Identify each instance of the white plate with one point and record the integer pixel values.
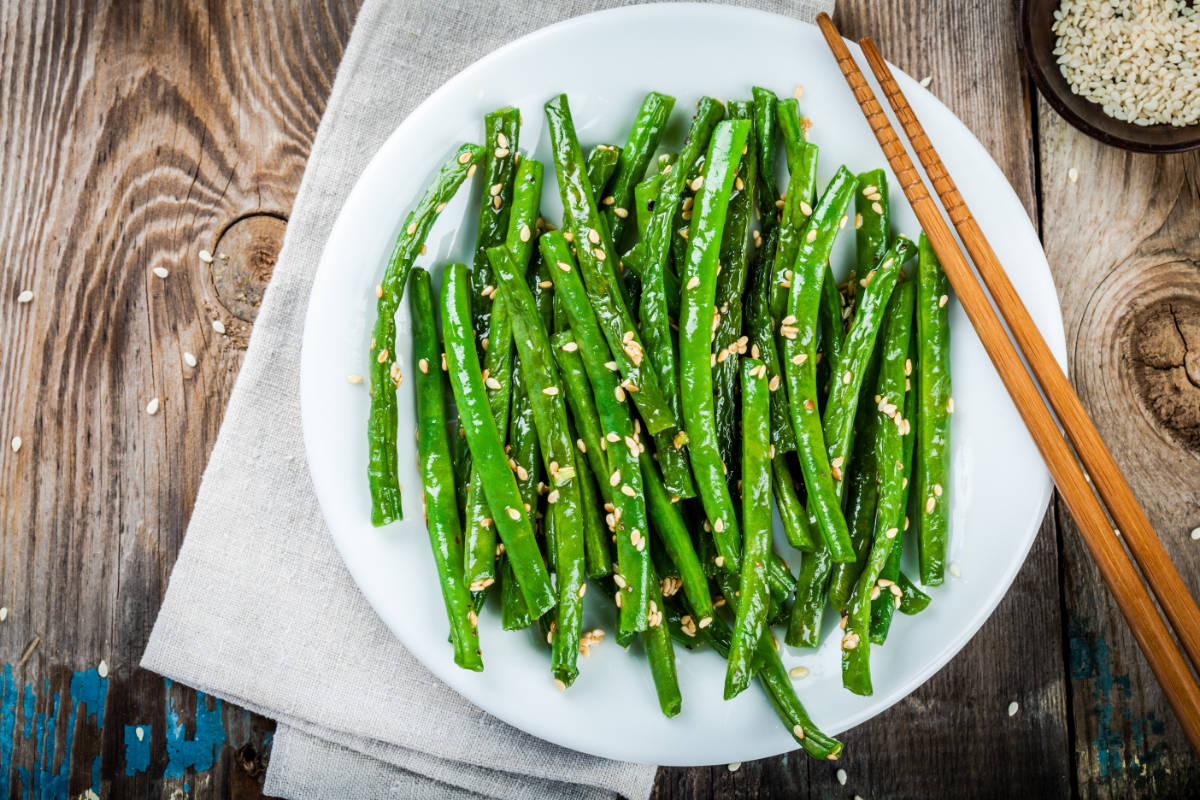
(606, 62)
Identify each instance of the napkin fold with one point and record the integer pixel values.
(260, 609)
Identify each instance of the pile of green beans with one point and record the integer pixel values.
(623, 397)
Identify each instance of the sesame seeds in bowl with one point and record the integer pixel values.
(1126, 72)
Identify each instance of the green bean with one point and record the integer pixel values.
(660, 652)
(912, 599)
(487, 449)
(382, 466)
(514, 614)
(753, 593)
(501, 129)
(774, 679)
(797, 332)
(762, 341)
(932, 460)
(586, 423)
(601, 163)
(628, 519)
(791, 510)
(698, 318)
(479, 552)
(644, 196)
(872, 221)
(829, 318)
(861, 495)
(802, 164)
(780, 579)
(668, 524)
(522, 212)
(437, 475)
(840, 411)
(543, 385)
(640, 145)
(889, 449)
(883, 608)
(765, 122)
(597, 262)
(731, 283)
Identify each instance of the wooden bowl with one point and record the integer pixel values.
(1037, 42)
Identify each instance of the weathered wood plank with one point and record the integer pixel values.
(132, 135)
(1122, 243)
(953, 734)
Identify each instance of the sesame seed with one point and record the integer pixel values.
(842, 222)
(152, 406)
(805, 209)
(513, 513)
(798, 92)
(739, 184)
(908, 366)
(562, 687)
(929, 504)
(877, 208)
(3, 613)
(621, 212)
(501, 139)
(565, 267)
(719, 525)
(496, 203)
(719, 561)
(798, 732)
(812, 236)
(798, 672)
(582, 589)
(552, 498)
(857, 221)
(470, 170)
(464, 157)
(218, 326)
(206, 256)
(735, 766)
(949, 405)
(1013, 707)
(773, 385)
(799, 358)
(869, 190)
(693, 282)
(102, 668)
(937, 489)
(550, 390)
(628, 491)
(411, 229)
(501, 152)
(928, 79)
(697, 183)
(619, 393)
(496, 189)
(1073, 175)
(190, 360)
(599, 253)
(847, 376)
(378, 290)
(942, 301)
(841, 777)
(160, 272)
(955, 570)
(16, 443)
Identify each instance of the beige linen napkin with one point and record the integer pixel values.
(260, 609)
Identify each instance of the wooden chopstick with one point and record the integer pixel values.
(1148, 627)
(1168, 587)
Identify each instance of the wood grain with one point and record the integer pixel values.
(133, 135)
(1122, 243)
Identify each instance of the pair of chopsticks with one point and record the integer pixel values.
(1149, 628)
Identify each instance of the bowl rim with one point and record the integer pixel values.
(1048, 91)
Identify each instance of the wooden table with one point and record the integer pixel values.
(135, 134)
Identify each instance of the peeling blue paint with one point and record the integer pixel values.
(137, 750)
(1091, 659)
(199, 752)
(8, 723)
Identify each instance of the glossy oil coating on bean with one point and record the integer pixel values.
(525, 195)
(501, 129)
(628, 519)
(547, 397)
(932, 461)
(763, 345)
(798, 333)
(696, 325)
(382, 467)
(643, 139)
(889, 458)
(753, 594)
(765, 126)
(668, 524)
(487, 448)
(598, 264)
(437, 475)
(660, 652)
(731, 284)
(601, 163)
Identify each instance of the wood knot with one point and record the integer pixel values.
(1164, 350)
(245, 258)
